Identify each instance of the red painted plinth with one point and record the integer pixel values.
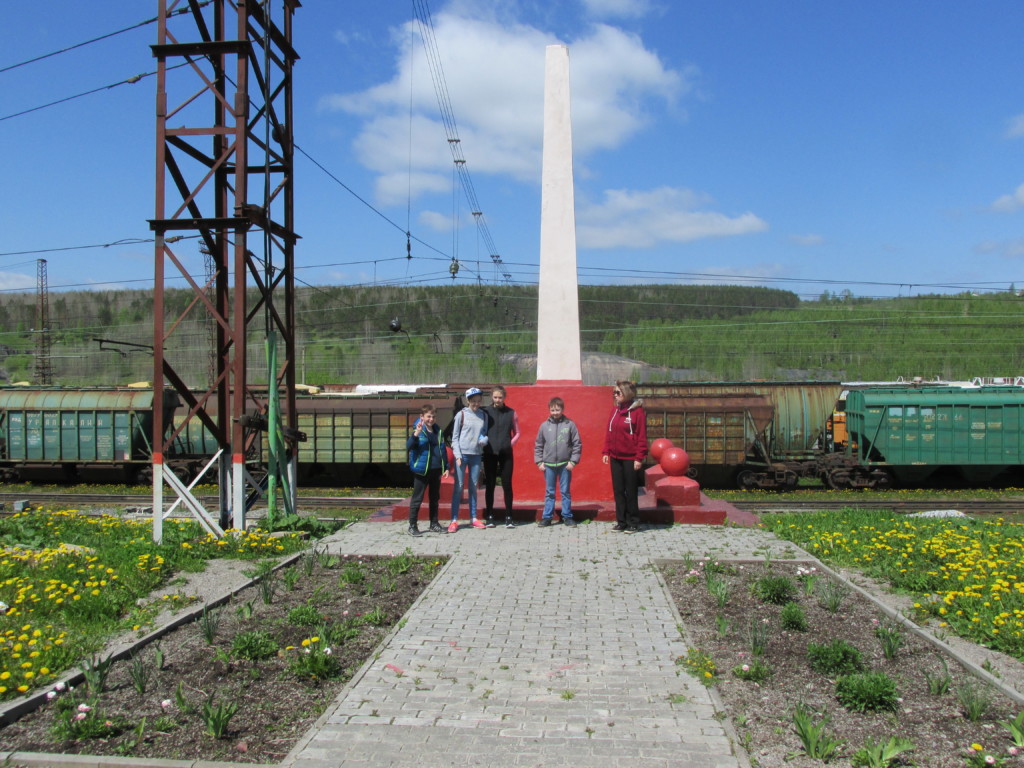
(678, 491)
(678, 501)
(652, 476)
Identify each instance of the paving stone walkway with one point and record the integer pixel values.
(534, 647)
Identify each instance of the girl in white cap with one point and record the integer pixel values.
(469, 436)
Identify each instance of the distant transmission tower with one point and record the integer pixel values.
(44, 371)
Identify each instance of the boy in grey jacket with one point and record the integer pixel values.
(556, 452)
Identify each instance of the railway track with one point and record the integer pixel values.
(978, 506)
(75, 500)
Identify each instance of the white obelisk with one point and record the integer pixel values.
(558, 309)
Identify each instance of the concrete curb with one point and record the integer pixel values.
(46, 760)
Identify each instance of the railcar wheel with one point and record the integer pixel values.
(838, 479)
(881, 480)
(746, 480)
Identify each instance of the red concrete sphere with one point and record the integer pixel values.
(659, 446)
(675, 462)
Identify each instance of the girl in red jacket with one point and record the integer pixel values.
(625, 448)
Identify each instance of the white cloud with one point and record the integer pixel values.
(435, 221)
(494, 73)
(1010, 203)
(638, 219)
(808, 240)
(625, 9)
(12, 281)
(1015, 129)
(1007, 249)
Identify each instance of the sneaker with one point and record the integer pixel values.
(571, 522)
(478, 523)
(453, 527)
(436, 528)
(544, 522)
(632, 529)
(489, 522)
(509, 523)
(619, 527)
(414, 531)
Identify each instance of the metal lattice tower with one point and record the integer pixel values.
(223, 172)
(44, 367)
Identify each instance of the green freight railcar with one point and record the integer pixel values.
(912, 436)
(61, 434)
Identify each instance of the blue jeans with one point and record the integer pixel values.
(564, 477)
(471, 467)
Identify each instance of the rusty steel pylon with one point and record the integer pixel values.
(223, 176)
(44, 364)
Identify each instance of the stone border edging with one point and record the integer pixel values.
(327, 713)
(49, 760)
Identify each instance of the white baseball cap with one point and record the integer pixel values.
(472, 391)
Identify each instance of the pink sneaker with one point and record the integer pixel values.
(453, 527)
(478, 523)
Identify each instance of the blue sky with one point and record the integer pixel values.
(876, 147)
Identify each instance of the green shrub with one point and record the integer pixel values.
(835, 658)
(754, 672)
(254, 645)
(867, 692)
(305, 616)
(792, 617)
(777, 590)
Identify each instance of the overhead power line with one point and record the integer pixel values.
(97, 39)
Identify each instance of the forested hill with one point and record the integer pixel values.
(471, 332)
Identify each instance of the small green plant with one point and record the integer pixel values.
(719, 589)
(777, 590)
(353, 573)
(722, 625)
(1016, 729)
(835, 658)
(867, 692)
(978, 757)
(378, 616)
(85, 721)
(184, 705)
(975, 699)
(832, 595)
(402, 563)
(309, 561)
(305, 616)
(315, 660)
(758, 633)
(245, 610)
(158, 656)
(338, 633)
(793, 618)
(140, 673)
(890, 635)
(268, 587)
(756, 671)
(939, 683)
(216, 717)
(807, 577)
(208, 623)
(568, 695)
(291, 577)
(254, 645)
(95, 673)
(699, 664)
(881, 754)
(817, 742)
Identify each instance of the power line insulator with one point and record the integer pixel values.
(453, 268)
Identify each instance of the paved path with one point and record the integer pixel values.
(534, 647)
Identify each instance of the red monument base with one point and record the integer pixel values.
(663, 500)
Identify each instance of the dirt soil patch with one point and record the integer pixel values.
(346, 602)
(762, 712)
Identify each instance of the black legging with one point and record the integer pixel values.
(498, 465)
(431, 483)
(625, 482)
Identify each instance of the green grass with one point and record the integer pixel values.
(963, 573)
(68, 582)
